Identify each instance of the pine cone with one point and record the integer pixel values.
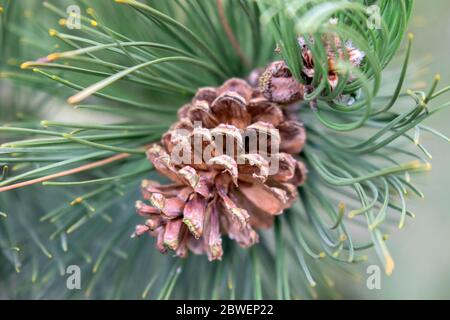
(335, 48)
(279, 85)
(230, 160)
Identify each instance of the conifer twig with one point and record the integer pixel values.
(86, 167)
(230, 35)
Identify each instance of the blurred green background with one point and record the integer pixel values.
(422, 249)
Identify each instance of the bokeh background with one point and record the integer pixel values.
(422, 249)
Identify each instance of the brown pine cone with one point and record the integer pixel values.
(231, 161)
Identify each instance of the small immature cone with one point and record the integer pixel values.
(279, 85)
(223, 181)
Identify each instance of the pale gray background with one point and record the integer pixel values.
(421, 250)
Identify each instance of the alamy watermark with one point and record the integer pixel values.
(73, 20)
(374, 20)
(373, 281)
(73, 281)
